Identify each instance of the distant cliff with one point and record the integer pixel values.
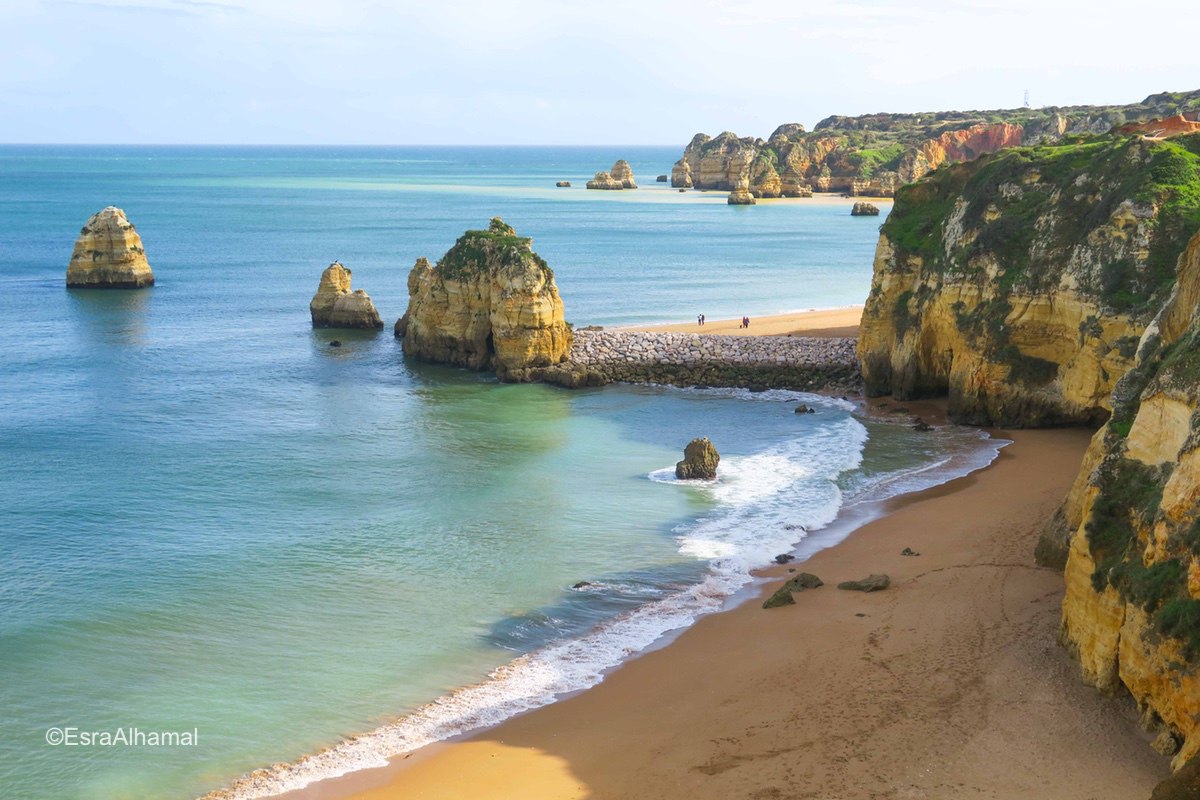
(1020, 283)
(873, 155)
(1061, 284)
(489, 304)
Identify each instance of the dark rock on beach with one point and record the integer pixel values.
(871, 583)
(783, 596)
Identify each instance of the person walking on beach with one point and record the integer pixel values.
(747, 320)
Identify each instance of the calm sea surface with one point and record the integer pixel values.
(214, 522)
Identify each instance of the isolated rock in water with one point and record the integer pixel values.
(921, 425)
(864, 210)
(661, 179)
(700, 461)
(490, 303)
(783, 595)
(563, 184)
(622, 172)
(741, 196)
(871, 583)
(108, 254)
(784, 558)
(604, 180)
(803, 409)
(681, 175)
(335, 306)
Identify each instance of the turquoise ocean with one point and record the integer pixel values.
(213, 522)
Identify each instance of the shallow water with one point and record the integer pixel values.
(216, 522)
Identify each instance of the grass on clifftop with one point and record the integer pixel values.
(1032, 207)
(478, 250)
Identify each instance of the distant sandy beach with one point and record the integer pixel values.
(824, 322)
(949, 684)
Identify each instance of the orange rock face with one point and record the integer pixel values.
(967, 144)
(1177, 125)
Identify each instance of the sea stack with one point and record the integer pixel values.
(489, 304)
(604, 180)
(108, 254)
(700, 461)
(335, 306)
(861, 209)
(622, 172)
(741, 196)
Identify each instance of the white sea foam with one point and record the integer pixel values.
(765, 504)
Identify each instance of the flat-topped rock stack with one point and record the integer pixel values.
(684, 359)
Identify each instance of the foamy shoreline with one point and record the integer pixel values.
(541, 678)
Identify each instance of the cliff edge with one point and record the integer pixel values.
(1019, 284)
(489, 304)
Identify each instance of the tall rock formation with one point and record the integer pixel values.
(1132, 608)
(622, 172)
(336, 306)
(489, 304)
(108, 254)
(1061, 284)
(1019, 284)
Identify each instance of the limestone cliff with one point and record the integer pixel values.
(490, 303)
(1132, 607)
(336, 306)
(874, 154)
(108, 254)
(1020, 283)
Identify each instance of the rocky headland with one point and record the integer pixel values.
(1056, 285)
(108, 254)
(490, 303)
(874, 154)
(336, 306)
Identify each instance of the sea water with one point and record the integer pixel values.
(213, 522)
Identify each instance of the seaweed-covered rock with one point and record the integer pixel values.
(490, 303)
(108, 254)
(871, 583)
(861, 209)
(783, 595)
(700, 461)
(336, 306)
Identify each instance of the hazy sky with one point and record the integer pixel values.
(557, 71)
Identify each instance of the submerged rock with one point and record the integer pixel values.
(864, 210)
(335, 306)
(803, 409)
(700, 461)
(490, 303)
(108, 254)
(871, 583)
(783, 595)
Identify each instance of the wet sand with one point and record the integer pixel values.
(949, 684)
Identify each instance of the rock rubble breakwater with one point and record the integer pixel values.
(682, 359)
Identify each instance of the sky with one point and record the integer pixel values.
(557, 71)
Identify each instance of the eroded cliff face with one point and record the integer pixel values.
(1019, 284)
(1132, 607)
(874, 154)
(490, 303)
(108, 254)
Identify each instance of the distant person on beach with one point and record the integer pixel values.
(699, 319)
(747, 322)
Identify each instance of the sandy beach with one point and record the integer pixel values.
(949, 684)
(823, 322)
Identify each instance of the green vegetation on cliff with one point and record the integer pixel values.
(1033, 206)
(475, 250)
